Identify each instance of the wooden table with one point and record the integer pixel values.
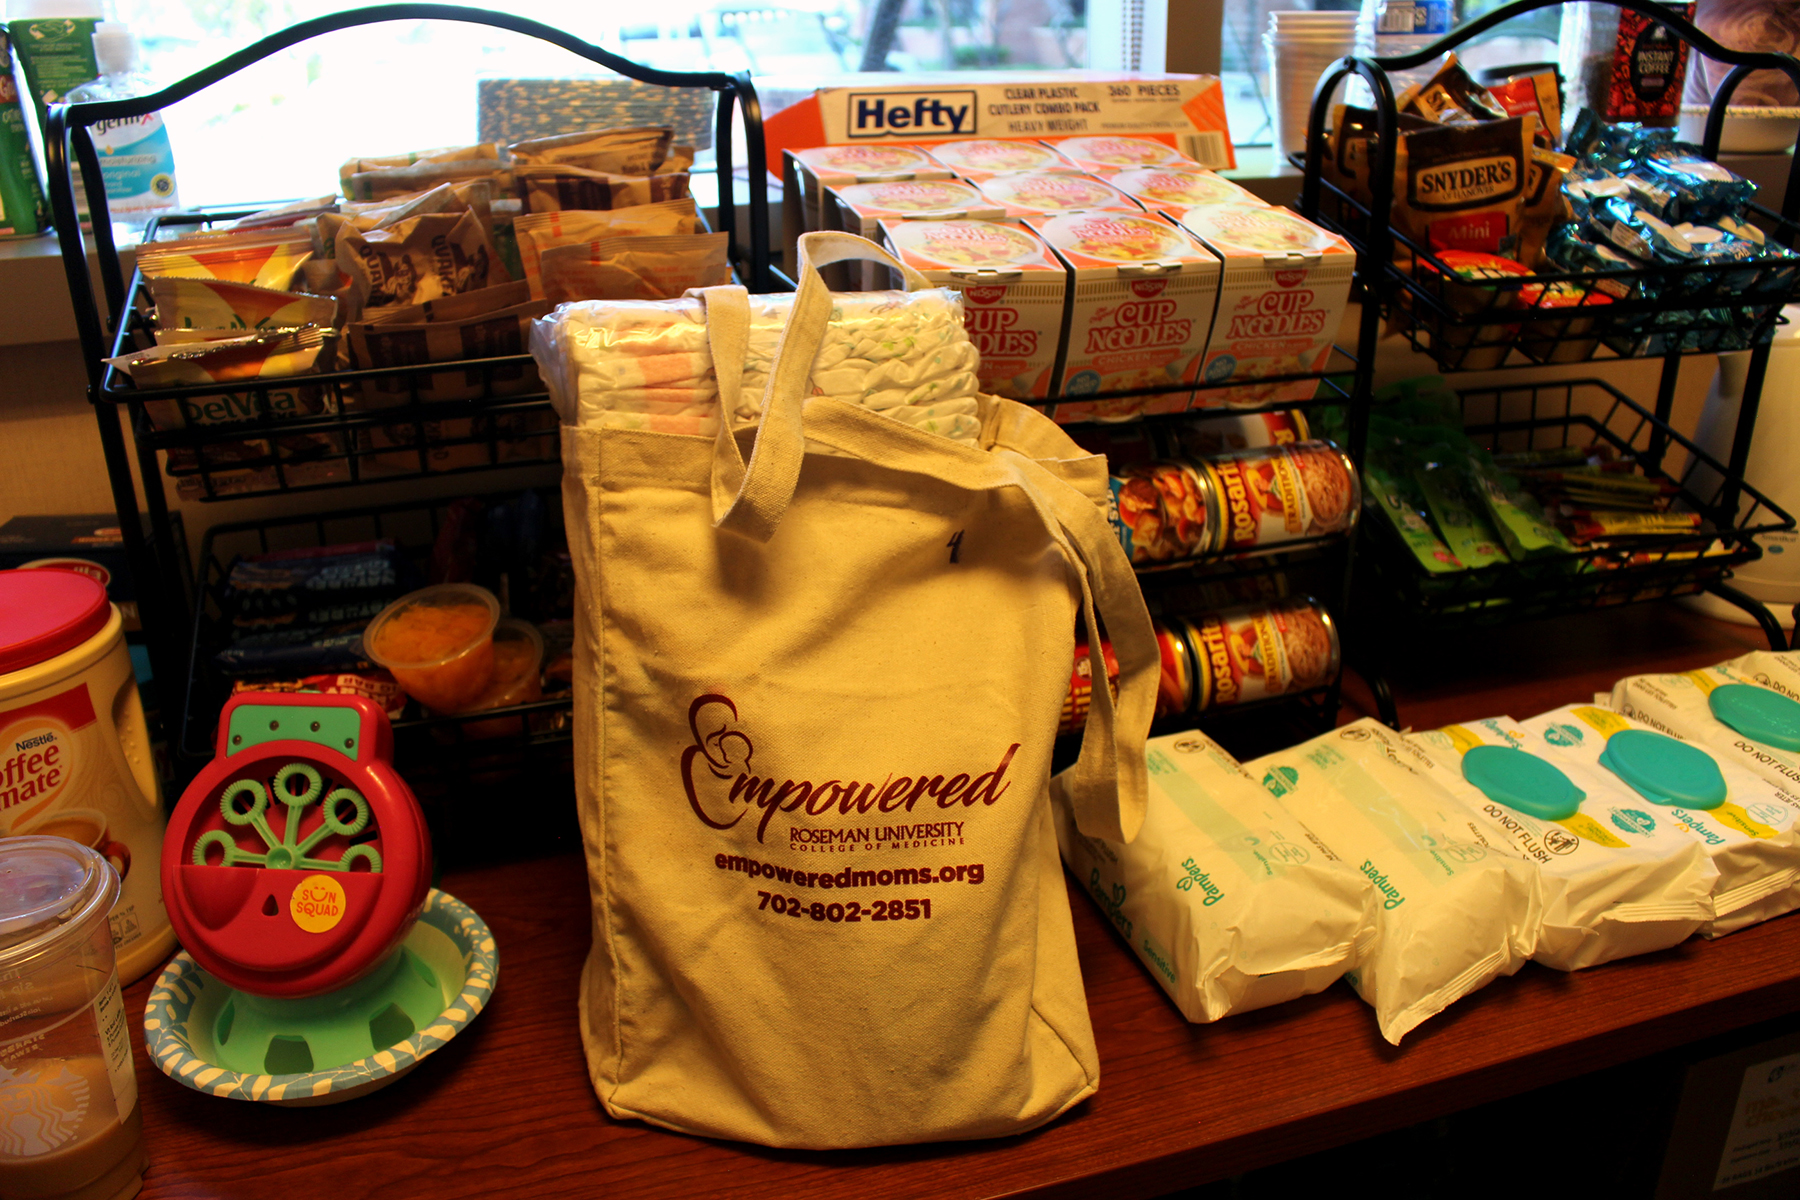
(507, 1110)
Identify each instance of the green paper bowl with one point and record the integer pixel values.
(184, 988)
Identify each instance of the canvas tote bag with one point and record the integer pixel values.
(815, 696)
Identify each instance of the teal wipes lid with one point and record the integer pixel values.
(1523, 781)
(1664, 770)
(1757, 713)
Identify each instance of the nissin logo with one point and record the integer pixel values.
(910, 114)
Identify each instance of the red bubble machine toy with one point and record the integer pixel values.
(294, 868)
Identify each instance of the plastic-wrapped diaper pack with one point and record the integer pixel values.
(1229, 901)
(1738, 710)
(1457, 907)
(1611, 889)
(1745, 823)
(648, 365)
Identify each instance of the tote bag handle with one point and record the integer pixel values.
(749, 498)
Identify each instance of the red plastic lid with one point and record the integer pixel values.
(47, 611)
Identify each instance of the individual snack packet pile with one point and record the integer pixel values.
(1609, 892)
(1458, 907)
(1745, 823)
(647, 364)
(302, 612)
(1230, 902)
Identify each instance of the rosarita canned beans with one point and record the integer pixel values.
(1165, 511)
(1253, 653)
(1283, 494)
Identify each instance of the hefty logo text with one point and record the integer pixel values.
(910, 113)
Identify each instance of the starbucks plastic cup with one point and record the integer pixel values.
(72, 1129)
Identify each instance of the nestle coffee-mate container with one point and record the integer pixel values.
(74, 749)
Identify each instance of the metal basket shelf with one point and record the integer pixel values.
(438, 755)
(1576, 413)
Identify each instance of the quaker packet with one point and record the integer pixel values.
(221, 308)
(266, 258)
(419, 259)
(287, 214)
(642, 150)
(469, 195)
(635, 268)
(538, 232)
(398, 174)
(1463, 187)
(553, 188)
(441, 339)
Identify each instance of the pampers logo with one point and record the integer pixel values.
(910, 114)
(724, 753)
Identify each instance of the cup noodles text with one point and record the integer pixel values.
(1171, 188)
(1112, 154)
(860, 207)
(1013, 294)
(1281, 298)
(977, 159)
(1044, 194)
(1141, 306)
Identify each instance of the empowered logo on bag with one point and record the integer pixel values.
(724, 753)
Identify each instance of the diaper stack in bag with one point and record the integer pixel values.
(1743, 822)
(1231, 903)
(1611, 889)
(1457, 906)
(1745, 711)
(646, 364)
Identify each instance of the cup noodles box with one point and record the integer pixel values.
(1043, 194)
(1174, 189)
(807, 174)
(1110, 154)
(1141, 300)
(1013, 291)
(861, 207)
(978, 159)
(1281, 298)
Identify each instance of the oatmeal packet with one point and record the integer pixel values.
(398, 174)
(443, 333)
(644, 150)
(418, 259)
(538, 232)
(635, 268)
(555, 188)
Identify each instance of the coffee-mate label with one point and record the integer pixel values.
(63, 773)
(1012, 287)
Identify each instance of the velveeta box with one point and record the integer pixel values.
(1175, 189)
(1285, 285)
(979, 159)
(1108, 154)
(1013, 290)
(1141, 300)
(1046, 194)
(807, 174)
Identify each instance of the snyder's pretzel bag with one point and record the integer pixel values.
(1463, 187)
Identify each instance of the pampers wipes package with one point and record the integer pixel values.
(1744, 711)
(1742, 821)
(1608, 893)
(1458, 908)
(1230, 902)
